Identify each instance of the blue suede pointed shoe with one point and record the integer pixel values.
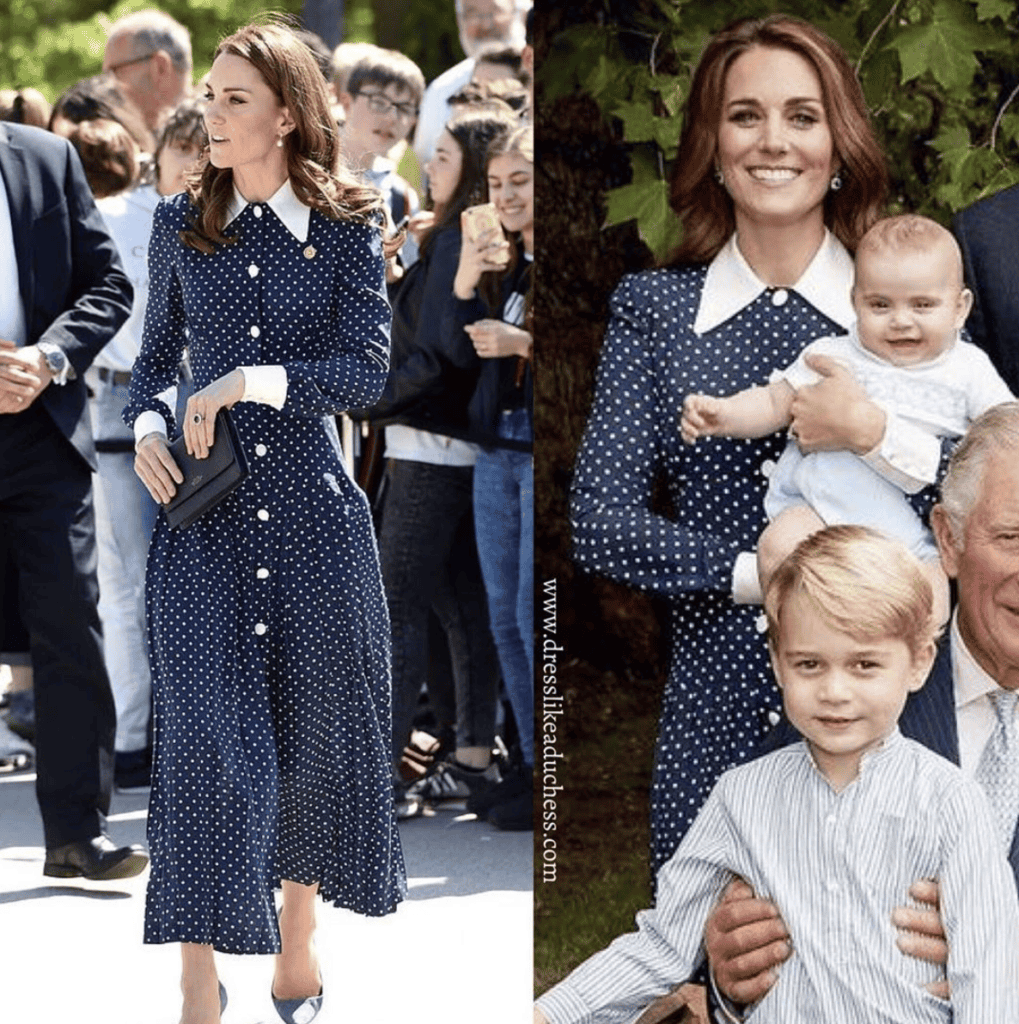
(222, 999)
(298, 1011)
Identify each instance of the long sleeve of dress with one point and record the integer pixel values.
(156, 369)
(356, 362)
(614, 531)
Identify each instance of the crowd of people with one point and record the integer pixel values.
(345, 640)
(833, 448)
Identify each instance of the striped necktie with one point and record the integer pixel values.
(998, 770)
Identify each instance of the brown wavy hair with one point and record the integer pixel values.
(518, 142)
(312, 148)
(474, 131)
(704, 206)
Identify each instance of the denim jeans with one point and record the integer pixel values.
(429, 561)
(504, 523)
(125, 516)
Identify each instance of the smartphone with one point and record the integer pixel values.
(478, 220)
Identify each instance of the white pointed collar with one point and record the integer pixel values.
(294, 214)
(731, 285)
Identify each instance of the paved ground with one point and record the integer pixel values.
(458, 950)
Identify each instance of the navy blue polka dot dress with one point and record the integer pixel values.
(268, 625)
(720, 689)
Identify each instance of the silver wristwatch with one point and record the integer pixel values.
(56, 360)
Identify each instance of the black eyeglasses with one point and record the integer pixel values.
(380, 104)
(127, 63)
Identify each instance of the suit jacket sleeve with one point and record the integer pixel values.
(100, 293)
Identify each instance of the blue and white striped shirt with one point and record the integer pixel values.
(836, 865)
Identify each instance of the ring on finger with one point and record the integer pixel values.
(197, 418)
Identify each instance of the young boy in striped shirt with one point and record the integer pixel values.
(833, 829)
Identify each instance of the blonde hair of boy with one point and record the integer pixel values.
(861, 582)
(909, 232)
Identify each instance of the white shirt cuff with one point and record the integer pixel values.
(907, 456)
(147, 423)
(746, 584)
(265, 384)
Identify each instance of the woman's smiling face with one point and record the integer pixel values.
(775, 148)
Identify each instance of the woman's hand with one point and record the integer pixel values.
(835, 414)
(420, 224)
(200, 416)
(494, 339)
(489, 251)
(156, 469)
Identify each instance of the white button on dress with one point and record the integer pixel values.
(257, 210)
(780, 297)
(260, 449)
(262, 573)
(254, 330)
(253, 270)
(260, 628)
(263, 514)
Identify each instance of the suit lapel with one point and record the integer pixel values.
(929, 715)
(19, 186)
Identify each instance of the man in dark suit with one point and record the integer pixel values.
(986, 233)
(63, 294)
(976, 525)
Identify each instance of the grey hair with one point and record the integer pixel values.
(996, 430)
(154, 30)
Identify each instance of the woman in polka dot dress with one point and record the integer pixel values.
(778, 174)
(268, 623)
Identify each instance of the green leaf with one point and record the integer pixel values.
(638, 121)
(647, 202)
(987, 9)
(946, 46)
(671, 89)
(571, 56)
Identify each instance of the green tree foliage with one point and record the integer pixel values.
(51, 44)
(940, 77)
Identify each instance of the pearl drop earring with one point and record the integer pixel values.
(279, 141)
(719, 176)
(836, 183)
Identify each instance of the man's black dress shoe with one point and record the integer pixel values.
(97, 859)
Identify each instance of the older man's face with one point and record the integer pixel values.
(483, 21)
(987, 571)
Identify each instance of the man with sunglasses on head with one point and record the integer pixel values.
(150, 55)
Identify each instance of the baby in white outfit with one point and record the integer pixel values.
(905, 352)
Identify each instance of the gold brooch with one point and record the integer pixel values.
(309, 253)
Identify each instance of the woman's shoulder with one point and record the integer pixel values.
(670, 292)
(175, 211)
(664, 282)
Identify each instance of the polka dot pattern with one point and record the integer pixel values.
(269, 631)
(720, 690)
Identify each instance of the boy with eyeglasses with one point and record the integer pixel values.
(381, 100)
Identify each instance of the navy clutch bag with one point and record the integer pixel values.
(206, 481)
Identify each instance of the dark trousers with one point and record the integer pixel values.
(47, 521)
(430, 562)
